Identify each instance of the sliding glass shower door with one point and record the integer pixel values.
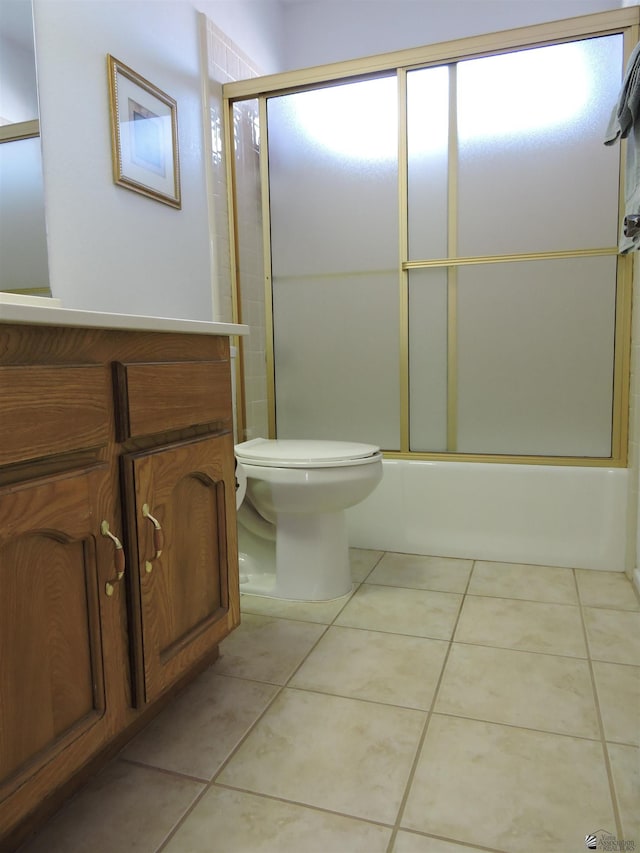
(444, 272)
(512, 203)
(333, 193)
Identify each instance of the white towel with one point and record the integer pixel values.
(625, 124)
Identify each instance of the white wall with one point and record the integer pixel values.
(111, 249)
(322, 31)
(256, 27)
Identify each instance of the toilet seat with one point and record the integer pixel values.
(302, 453)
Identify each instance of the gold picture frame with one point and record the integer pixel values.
(144, 135)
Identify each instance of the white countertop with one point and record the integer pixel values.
(40, 314)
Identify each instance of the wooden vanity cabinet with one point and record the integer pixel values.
(52, 655)
(180, 586)
(118, 544)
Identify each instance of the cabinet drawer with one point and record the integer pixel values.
(51, 410)
(161, 396)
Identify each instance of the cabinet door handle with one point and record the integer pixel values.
(118, 557)
(158, 535)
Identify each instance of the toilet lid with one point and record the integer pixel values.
(300, 453)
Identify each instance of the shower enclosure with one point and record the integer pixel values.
(443, 273)
(438, 242)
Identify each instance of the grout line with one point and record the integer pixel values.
(375, 565)
(379, 702)
(222, 766)
(413, 588)
(164, 771)
(519, 651)
(356, 587)
(281, 688)
(430, 713)
(603, 739)
(302, 804)
(518, 726)
(525, 600)
(466, 845)
(251, 728)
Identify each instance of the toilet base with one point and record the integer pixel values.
(259, 583)
(312, 556)
(263, 585)
(308, 562)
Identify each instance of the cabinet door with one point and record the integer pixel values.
(53, 713)
(182, 527)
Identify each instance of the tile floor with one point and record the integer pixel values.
(445, 706)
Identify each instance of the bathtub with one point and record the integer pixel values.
(537, 514)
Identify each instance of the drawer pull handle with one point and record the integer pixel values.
(118, 557)
(158, 535)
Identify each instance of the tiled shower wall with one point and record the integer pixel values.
(226, 62)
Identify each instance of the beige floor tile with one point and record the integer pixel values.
(625, 766)
(613, 635)
(512, 789)
(619, 696)
(362, 562)
(201, 727)
(339, 754)
(123, 808)
(263, 648)
(418, 612)
(389, 668)
(606, 589)
(525, 625)
(536, 691)
(409, 842)
(237, 822)
(322, 612)
(412, 570)
(519, 580)
(509, 763)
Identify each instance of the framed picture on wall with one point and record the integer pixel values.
(144, 135)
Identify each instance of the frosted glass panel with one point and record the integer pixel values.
(533, 340)
(532, 160)
(428, 359)
(336, 352)
(535, 356)
(334, 243)
(427, 163)
(333, 179)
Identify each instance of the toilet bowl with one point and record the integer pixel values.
(291, 524)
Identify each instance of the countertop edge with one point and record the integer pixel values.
(38, 315)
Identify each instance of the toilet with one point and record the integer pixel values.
(291, 523)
